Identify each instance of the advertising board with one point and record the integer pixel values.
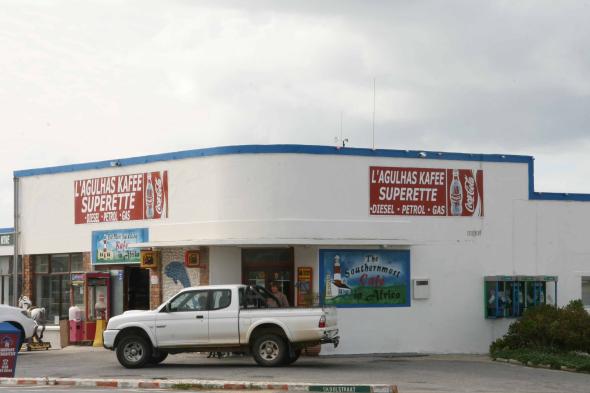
(140, 196)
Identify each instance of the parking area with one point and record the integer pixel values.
(433, 373)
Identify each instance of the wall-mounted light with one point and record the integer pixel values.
(422, 154)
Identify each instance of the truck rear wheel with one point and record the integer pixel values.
(270, 350)
(134, 352)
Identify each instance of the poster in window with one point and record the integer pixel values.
(365, 278)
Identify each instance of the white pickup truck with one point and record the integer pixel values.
(219, 318)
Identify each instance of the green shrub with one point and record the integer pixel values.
(550, 328)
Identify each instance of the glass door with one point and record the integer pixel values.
(262, 266)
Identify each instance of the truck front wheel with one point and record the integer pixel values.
(270, 350)
(158, 357)
(134, 352)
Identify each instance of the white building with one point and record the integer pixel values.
(259, 213)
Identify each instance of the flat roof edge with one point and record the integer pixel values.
(273, 149)
(311, 149)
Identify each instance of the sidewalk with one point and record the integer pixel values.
(193, 384)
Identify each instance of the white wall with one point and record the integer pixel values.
(298, 200)
(290, 198)
(6, 250)
(225, 265)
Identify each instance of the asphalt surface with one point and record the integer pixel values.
(416, 374)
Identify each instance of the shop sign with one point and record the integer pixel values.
(149, 259)
(7, 239)
(365, 278)
(192, 258)
(304, 286)
(340, 388)
(425, 191)
(140, 196)
(112, 247)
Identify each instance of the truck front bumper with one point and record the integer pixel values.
(108, 338)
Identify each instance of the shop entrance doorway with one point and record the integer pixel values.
(137, 288)
(261, 266)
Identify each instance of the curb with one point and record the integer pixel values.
(545, 366)
(198, 385)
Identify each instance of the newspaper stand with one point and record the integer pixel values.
(10, 337)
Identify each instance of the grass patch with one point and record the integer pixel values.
(555, 359)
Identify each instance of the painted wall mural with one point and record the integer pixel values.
(365, 278)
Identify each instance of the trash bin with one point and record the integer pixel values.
(9, 346)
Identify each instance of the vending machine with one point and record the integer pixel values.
(90, 296)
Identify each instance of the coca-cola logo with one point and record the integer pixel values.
(158, 183)
(470, 190)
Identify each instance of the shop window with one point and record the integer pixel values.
(77, 264)
(7, 279)
(511, 296)
(52, 283)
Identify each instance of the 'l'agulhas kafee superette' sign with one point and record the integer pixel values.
(141, 196)
(425, 191)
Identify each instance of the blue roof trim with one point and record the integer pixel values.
(559, 196)
(310, 149)
(552, 196)
(6, 230)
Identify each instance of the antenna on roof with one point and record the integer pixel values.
(374, 82)
(342, 140)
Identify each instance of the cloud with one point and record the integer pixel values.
(99, 80)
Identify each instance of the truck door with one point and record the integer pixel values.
(184, 321)
(223, 317)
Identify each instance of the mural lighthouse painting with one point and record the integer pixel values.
(334, 285)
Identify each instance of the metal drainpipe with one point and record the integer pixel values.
(16, 241)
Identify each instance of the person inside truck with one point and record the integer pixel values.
(280, 297)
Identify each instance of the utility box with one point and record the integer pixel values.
(421, 288)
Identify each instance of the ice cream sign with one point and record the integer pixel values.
(139, 196)
(425, 191)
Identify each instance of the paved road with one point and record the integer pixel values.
(437, 373)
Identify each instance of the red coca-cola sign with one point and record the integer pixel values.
(425, 191)
(140, 196)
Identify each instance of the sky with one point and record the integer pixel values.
(99, 80)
